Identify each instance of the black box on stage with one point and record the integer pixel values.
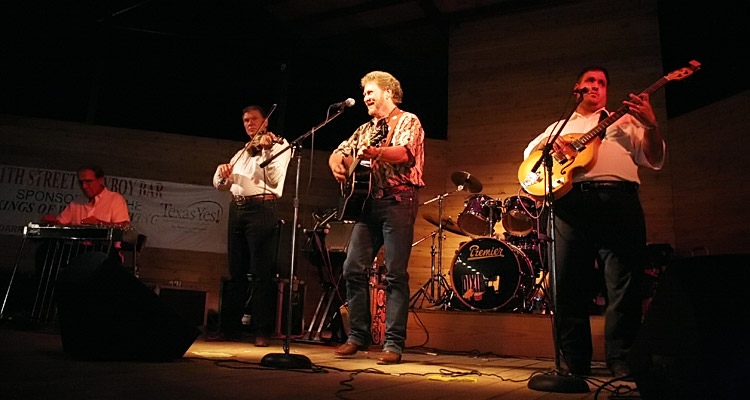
(339, 233)
(106, 313)
(298, 307)
(190, 304)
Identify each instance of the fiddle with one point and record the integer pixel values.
(256, 143)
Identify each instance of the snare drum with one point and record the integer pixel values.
(480, 215)
(488, 274)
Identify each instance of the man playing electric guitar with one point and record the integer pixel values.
(600, 219)
(387, 216)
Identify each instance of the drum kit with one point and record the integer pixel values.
(489, 272)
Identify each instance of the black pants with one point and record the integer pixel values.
(252, 246)
(604, 226)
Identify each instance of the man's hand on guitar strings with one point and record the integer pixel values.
(640, 108)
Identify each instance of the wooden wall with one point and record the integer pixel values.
(509, 77)
(62, 145)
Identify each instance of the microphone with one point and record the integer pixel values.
(346, 103)
(583, 90)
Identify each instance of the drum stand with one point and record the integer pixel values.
(436, 279)
(439, 292)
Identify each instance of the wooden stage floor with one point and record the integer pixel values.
(34, 366)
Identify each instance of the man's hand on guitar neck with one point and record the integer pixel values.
(560, 144)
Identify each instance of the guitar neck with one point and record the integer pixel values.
(606, 122)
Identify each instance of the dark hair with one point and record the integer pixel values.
(593, 68)
(98, 171)
(256, 108)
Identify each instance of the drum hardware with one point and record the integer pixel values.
(447, 223)
(439, 292)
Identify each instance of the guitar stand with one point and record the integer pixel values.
(314, 334)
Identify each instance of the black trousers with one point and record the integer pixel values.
(603, 226)
(252, 247)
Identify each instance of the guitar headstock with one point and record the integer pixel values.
(683, 73)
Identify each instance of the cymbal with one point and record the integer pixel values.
(468, 181)
(448, 224)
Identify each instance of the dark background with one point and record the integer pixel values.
(190, 67)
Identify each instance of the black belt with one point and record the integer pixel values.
(241, 200)
(379, 193)
(606, 185)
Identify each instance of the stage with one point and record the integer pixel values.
(35, 367)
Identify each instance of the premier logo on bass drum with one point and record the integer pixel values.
(475, 253)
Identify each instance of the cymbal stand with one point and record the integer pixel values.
(437, 282)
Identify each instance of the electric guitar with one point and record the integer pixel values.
(581, 151)
(358, 184)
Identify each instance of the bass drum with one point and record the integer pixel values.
(488, 274)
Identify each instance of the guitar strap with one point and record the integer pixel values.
(392, 123)
(602, 117)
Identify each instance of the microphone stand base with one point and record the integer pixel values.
(557, 383)
(286, 361)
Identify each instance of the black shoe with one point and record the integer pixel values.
(621, 371)
(578, 369)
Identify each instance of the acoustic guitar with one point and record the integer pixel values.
(357, 187)
(581, 149)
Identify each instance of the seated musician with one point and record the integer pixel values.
(100, 207)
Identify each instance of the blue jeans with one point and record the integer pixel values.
(389, 222)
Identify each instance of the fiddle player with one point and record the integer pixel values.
(252, 220)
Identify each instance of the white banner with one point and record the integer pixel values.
(172, 215)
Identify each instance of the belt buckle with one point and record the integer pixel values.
(238, 200)
(585, 186)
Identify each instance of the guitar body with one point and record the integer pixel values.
(564, 164)
(354, 193)
(581, 150)
(356, 189)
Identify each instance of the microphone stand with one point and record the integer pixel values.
(555, 382)
(286, 360)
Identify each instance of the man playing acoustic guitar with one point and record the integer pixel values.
(386, 217)
(600, 219)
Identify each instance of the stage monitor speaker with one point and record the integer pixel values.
(339, 233)
(106, 313)
(693, 342)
